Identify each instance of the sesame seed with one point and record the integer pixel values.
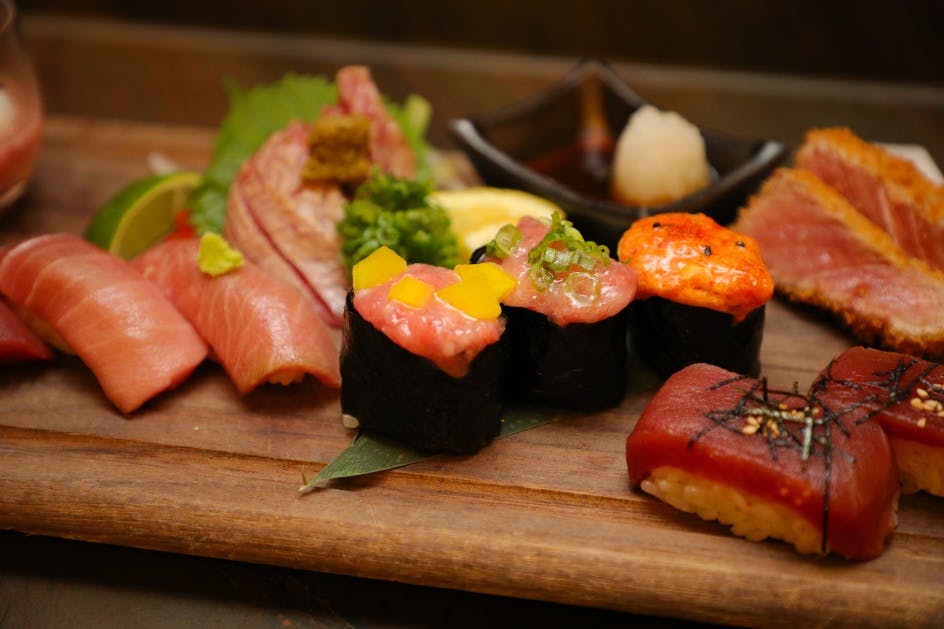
(921, 393)
(916, 403)
(922, 422)
(750, 429)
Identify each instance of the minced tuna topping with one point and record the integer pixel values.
(574, 295)
(448, 337)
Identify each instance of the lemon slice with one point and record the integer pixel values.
(477, 213)
(141, 214)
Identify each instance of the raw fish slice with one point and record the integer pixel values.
(905, 395)
(823, 252)
(357, 94)
(17, 341)
(260, 328)
(300, 221)
(718, 444)
(119, 324)
(287, 228)
(890, 191)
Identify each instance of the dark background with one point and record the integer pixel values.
(897, 41)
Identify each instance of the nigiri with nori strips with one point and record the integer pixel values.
(422, 357)
(905, 395)
(803, 469)
(566, 316)
(701, 296)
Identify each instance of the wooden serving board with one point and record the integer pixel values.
(545, 514)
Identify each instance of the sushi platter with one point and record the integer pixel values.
(545, 514)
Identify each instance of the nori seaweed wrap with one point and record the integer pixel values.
(399, 394)
(419, 370)
(702, 293)
(566, 318)
(671, 336)
(580, 365)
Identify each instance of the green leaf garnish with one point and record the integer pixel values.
(368, 453)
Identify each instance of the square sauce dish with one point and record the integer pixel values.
(560, 143)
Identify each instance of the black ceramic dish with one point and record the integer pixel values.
(592, 102)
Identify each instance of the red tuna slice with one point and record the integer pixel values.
(289, 228)
(821, 251)
(357, 94)
(118, 323)
(720, 445)
(17, 342)
(905, 395)
(260, 328)
(888, 190)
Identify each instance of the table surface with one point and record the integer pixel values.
(95, 146)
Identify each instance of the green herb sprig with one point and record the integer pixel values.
(397, 213)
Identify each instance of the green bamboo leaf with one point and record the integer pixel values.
(368, 454)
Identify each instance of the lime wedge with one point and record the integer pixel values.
(141, 214)
(477, 213)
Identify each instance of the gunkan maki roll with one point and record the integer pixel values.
(701, 296)
(566, 316)
(422, 354)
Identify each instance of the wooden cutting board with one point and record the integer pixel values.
(545, 514)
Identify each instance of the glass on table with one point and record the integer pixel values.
(21, 117)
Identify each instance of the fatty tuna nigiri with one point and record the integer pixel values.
(118, 323)
(260, 328)
(17, 342)
(770, 464)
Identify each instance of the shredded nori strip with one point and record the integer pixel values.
(789, 420)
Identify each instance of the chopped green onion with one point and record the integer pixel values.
(504, 242)
(541, 277)
(562, 250)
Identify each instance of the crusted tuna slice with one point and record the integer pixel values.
(889, 190)
(821, 251)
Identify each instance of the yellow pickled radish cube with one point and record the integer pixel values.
(411, 291)
(489, 276)
(472, 299)
(381, 266)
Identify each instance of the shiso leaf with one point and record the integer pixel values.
(368, 453)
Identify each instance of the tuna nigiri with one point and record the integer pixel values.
(905, 395)
(17, 342)
(118, 323)
(260, 328)
(770, 464)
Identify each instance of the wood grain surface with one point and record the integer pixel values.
(546, 514)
